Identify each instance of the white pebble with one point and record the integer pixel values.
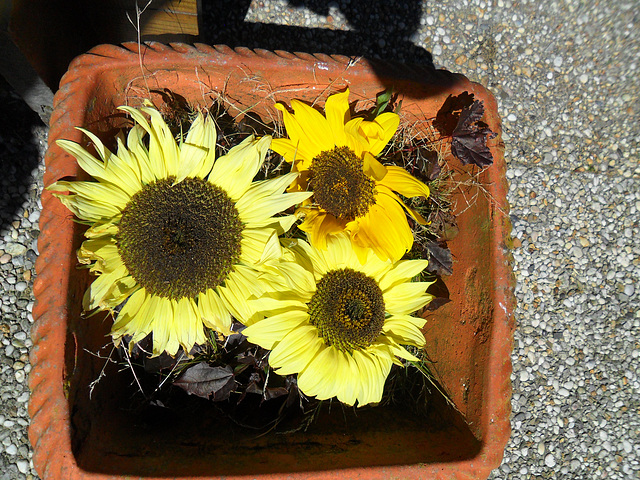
(550, 461)
(11, 449)
(23, 466)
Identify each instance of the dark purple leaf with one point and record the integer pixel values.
(469, 142)
(164, 361)
(276, 392)
(253, 387)
(469, 116)
(235, 340)
(449, 114)
(206, 381)
(472, 149)
(440, 261)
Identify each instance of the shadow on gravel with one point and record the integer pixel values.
(380, 29)
(19, 153)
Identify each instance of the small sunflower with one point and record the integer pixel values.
(174, 232)
(341, 323)
(352, 190)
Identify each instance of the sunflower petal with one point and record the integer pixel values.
(197, 152)
(320, 225)
(101, 287)
(156, 165)
(318, 378)
(385, 229)
(268, 332)
(121, 173)
(188, 329)
(234, 171)
(161, 142)
(354, 138)
(297, 135)
(108, 195)
(263, 189)
(414, 214)
(337, 112)
(164, 329)
(296, 350)
(406, 298)
(372, 167)
(151, 169)
(349, 372)
(402, 271)
(401, 181)
(388, 123)
(132, 317)
(286, 148)
(315, 126)
(260, 214)
(213, 312)
(405, 329)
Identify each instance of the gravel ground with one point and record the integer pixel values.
(566, 77)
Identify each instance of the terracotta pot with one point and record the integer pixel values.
(469, 339)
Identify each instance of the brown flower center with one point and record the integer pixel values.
(180, 240)
(340, 185)
(347, 309)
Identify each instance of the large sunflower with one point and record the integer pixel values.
(341, 323)
(174, 232)
(353, 191)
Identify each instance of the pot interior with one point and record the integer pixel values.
(113, 435)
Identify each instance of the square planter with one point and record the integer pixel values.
(79, 432)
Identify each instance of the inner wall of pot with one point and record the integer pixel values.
(109, 436)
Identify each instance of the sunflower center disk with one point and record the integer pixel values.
(179, 240)
(340, 185)
(347, 309)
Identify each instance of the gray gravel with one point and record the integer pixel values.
(566, 78)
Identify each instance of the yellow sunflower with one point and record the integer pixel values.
(174, 232)
(353, 191)
(341, 323)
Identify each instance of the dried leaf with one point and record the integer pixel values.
(443, 225)
(427, 163)
(469, 142)
(206, 381)
(440, 261)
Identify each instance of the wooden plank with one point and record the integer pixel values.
(160, 22)
(174, 16)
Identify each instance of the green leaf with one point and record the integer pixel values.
(382, 100)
